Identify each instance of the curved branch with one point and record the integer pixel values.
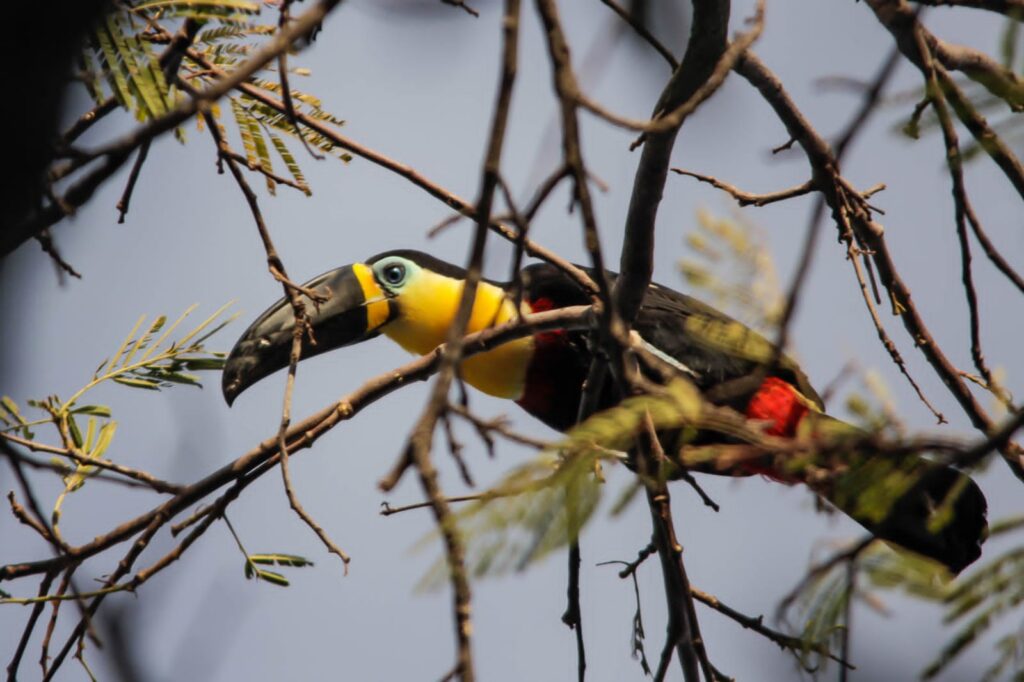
(304, 433)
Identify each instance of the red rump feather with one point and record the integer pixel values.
(779, 404)
(540, 305)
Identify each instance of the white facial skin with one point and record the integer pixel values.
(394, 273)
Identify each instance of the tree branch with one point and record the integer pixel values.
(115, 153)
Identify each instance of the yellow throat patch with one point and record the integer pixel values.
(427, 306)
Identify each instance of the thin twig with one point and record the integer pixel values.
(447, 197)
(1012, 8)
(286, 92)
(133, 177)
(821, 569)
(498, 425)
(631, 566)
(387, 510)
(642, 31)
(669, 119)
(30, 626)
(461, 4)
(872, 97)
(638, 620)
(683, 629)
(572, 616)
(756, 624)
(746, 198)
(850, 214)
(301, 329)
(264, 171)
(45, 240)
(883, 335)
(417, 451)
(963, 212)
(143, 477)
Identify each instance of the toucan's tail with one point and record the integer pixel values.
(921, 505)
(941, 515)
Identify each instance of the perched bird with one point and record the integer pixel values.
(412, 298)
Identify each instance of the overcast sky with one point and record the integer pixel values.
(418, 86)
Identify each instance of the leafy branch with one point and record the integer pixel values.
(146, 359)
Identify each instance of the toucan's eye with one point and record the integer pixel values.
(394, 274)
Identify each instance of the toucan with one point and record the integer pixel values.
(412, 298)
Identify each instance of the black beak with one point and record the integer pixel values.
(355, 310)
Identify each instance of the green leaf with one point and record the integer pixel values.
(159, 374)
(12, 408)
(253, 561)
(143, 90)
(263, 154)
(1006, 525)
(256, 151)
(733, 269)
(90, 434)
(822, 604)
(76, 435)
(168, 331)
(277, 559)
(275, 119)
(242, 119)
(197, 344)
(201, 364)
(115, 359)
(144, 340)
(616, 428)
(289, 162)
(63, 466)
(138, 383)
(11, 416)
(95, 410)
(104, 440)
(215, 35)
(271, 577)
(326, 116)
(536, 508)
(236, 5)
(116, 75)
(303, 97)
(157, 74)
(147, 77)
(1011, 650)
(912, 128)
(913, 574)
(93, 77)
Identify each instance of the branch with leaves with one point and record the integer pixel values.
(212, 68)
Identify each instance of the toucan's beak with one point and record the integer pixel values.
(355, 310)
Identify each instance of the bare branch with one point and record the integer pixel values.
(642, 31)
(1012, 8)
(854, 220)
(746, 198)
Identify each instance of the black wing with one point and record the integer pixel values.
(713, 346)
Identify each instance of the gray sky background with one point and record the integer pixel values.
(419, 87)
